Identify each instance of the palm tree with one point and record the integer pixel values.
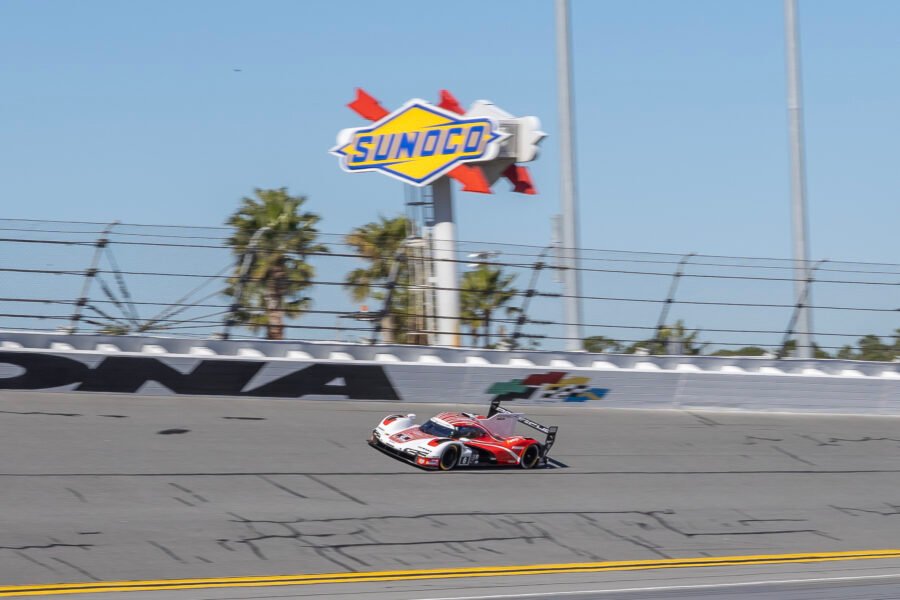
(599, 343)
(280, 238)
(669, 336)
(378, 243)
(484, 291)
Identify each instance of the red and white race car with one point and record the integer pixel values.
(458, 439)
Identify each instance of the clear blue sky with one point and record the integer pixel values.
(134, 111)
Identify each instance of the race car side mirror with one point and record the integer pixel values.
(411, 416)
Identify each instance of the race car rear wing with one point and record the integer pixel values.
(550, 431)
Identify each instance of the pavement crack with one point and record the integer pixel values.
(705, 420)
(255, 549)
(38, 412)
(836, 441)
(655, 515)
(76, 493)
(437, 522)
(36, 561)
(750, 440)
(188, 491)
(817, 441)
(855, 512)
(87, 574)
(745, 521)
(336, 490)
(637, 541)
(546, 535)
(48, 546)
(343, 554)
(503, 517)
(828, 537)
(281, 487)
(794, 456)
(322, 553)
(167, 551)
(432, 542)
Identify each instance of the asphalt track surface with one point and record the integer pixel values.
(106, 488)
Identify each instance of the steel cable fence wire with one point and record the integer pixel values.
(465, 251)
(432, 287)
(113, 298)
(172, 311)
(401, 314)
(475, 242)
(535, 246)
(516, 265)
(522, 266)
(103, 314)
(549, 294)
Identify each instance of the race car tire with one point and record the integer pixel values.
(449, 458)
(530, 457)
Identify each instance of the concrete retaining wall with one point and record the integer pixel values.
(151, 365)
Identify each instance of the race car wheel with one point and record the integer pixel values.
(449, 458)
(530, 457)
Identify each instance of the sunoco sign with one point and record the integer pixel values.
(418, 143)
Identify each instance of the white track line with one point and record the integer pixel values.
(669, 587)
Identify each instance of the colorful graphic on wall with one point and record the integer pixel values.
(548, 387)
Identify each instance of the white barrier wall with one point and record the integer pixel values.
(154, 366)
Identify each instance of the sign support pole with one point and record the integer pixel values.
(445, 271)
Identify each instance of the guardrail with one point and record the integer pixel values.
(321, 370)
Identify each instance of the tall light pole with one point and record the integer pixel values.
(568, 190)
(798, 182)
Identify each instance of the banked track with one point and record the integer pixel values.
(114, 488)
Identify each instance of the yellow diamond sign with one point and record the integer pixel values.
(418, 143)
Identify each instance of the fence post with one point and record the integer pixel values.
(89, 276)
(801, 305)
(670, 298)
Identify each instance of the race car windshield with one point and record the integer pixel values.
(435, 429)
